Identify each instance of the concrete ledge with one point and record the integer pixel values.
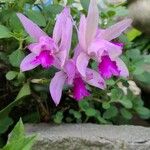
(89, 137)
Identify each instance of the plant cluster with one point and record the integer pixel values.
(75, 57)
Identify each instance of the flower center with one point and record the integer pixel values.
(79, 89)
(108, 68)
(45, 59)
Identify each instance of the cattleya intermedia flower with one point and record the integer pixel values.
(94, 43)
(69, 75)
(47, 51)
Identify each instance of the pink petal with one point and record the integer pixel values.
(122, 67)
(66, 36)
(96, 80)
(77, 52)
(112, 49)
(35, 48)
(92, 21)
(115, 30)
(61, 58)
(98, 46)
(29, 62)
(31, 28)
(82, 32)
(56, 86)
(70, 70)
(61, 18)
(82, 63)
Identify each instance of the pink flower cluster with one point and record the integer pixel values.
(94, 44)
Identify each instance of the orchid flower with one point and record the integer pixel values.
(47, 51)
(69, 75)
(96, 44)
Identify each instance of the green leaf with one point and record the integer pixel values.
(11, 75)
(90, 112)
(139, 69)
(111, 13)
(25, 90)
(19, 140)
(126, 102)
(54, 9)
(116, 94)
(85, 4)
(76, 114)
(101, 120)
(133, 33)
(84, 105)
(18, 132)
(16, 57)
(58, 117)
(4, 32)
(21, 77)
(110, 113)
(5, 123)
(147, 59)
(143, 112)
(36, 17)
(106, 105)
(110, 82)
(14, 22)
(126, 114)
(144, 77)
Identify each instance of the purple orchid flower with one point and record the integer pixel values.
(47, 51)
(69, 75)
(96, 44)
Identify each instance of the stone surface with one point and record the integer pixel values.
(89, 137)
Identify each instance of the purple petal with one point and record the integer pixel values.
(108, 68)
(79, 89)
(82, 63)
(82, 32)
(92, 21)
(122, 68)
(96, 80)
(31, 28)
(29, 62)
(56, 86)
(45, 59)
(115, 30)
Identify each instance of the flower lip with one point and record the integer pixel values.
(45, 58)
(79, 89)
(108, 68)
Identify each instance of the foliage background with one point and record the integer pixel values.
(26, 94)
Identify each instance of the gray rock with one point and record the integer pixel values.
(89, 137)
